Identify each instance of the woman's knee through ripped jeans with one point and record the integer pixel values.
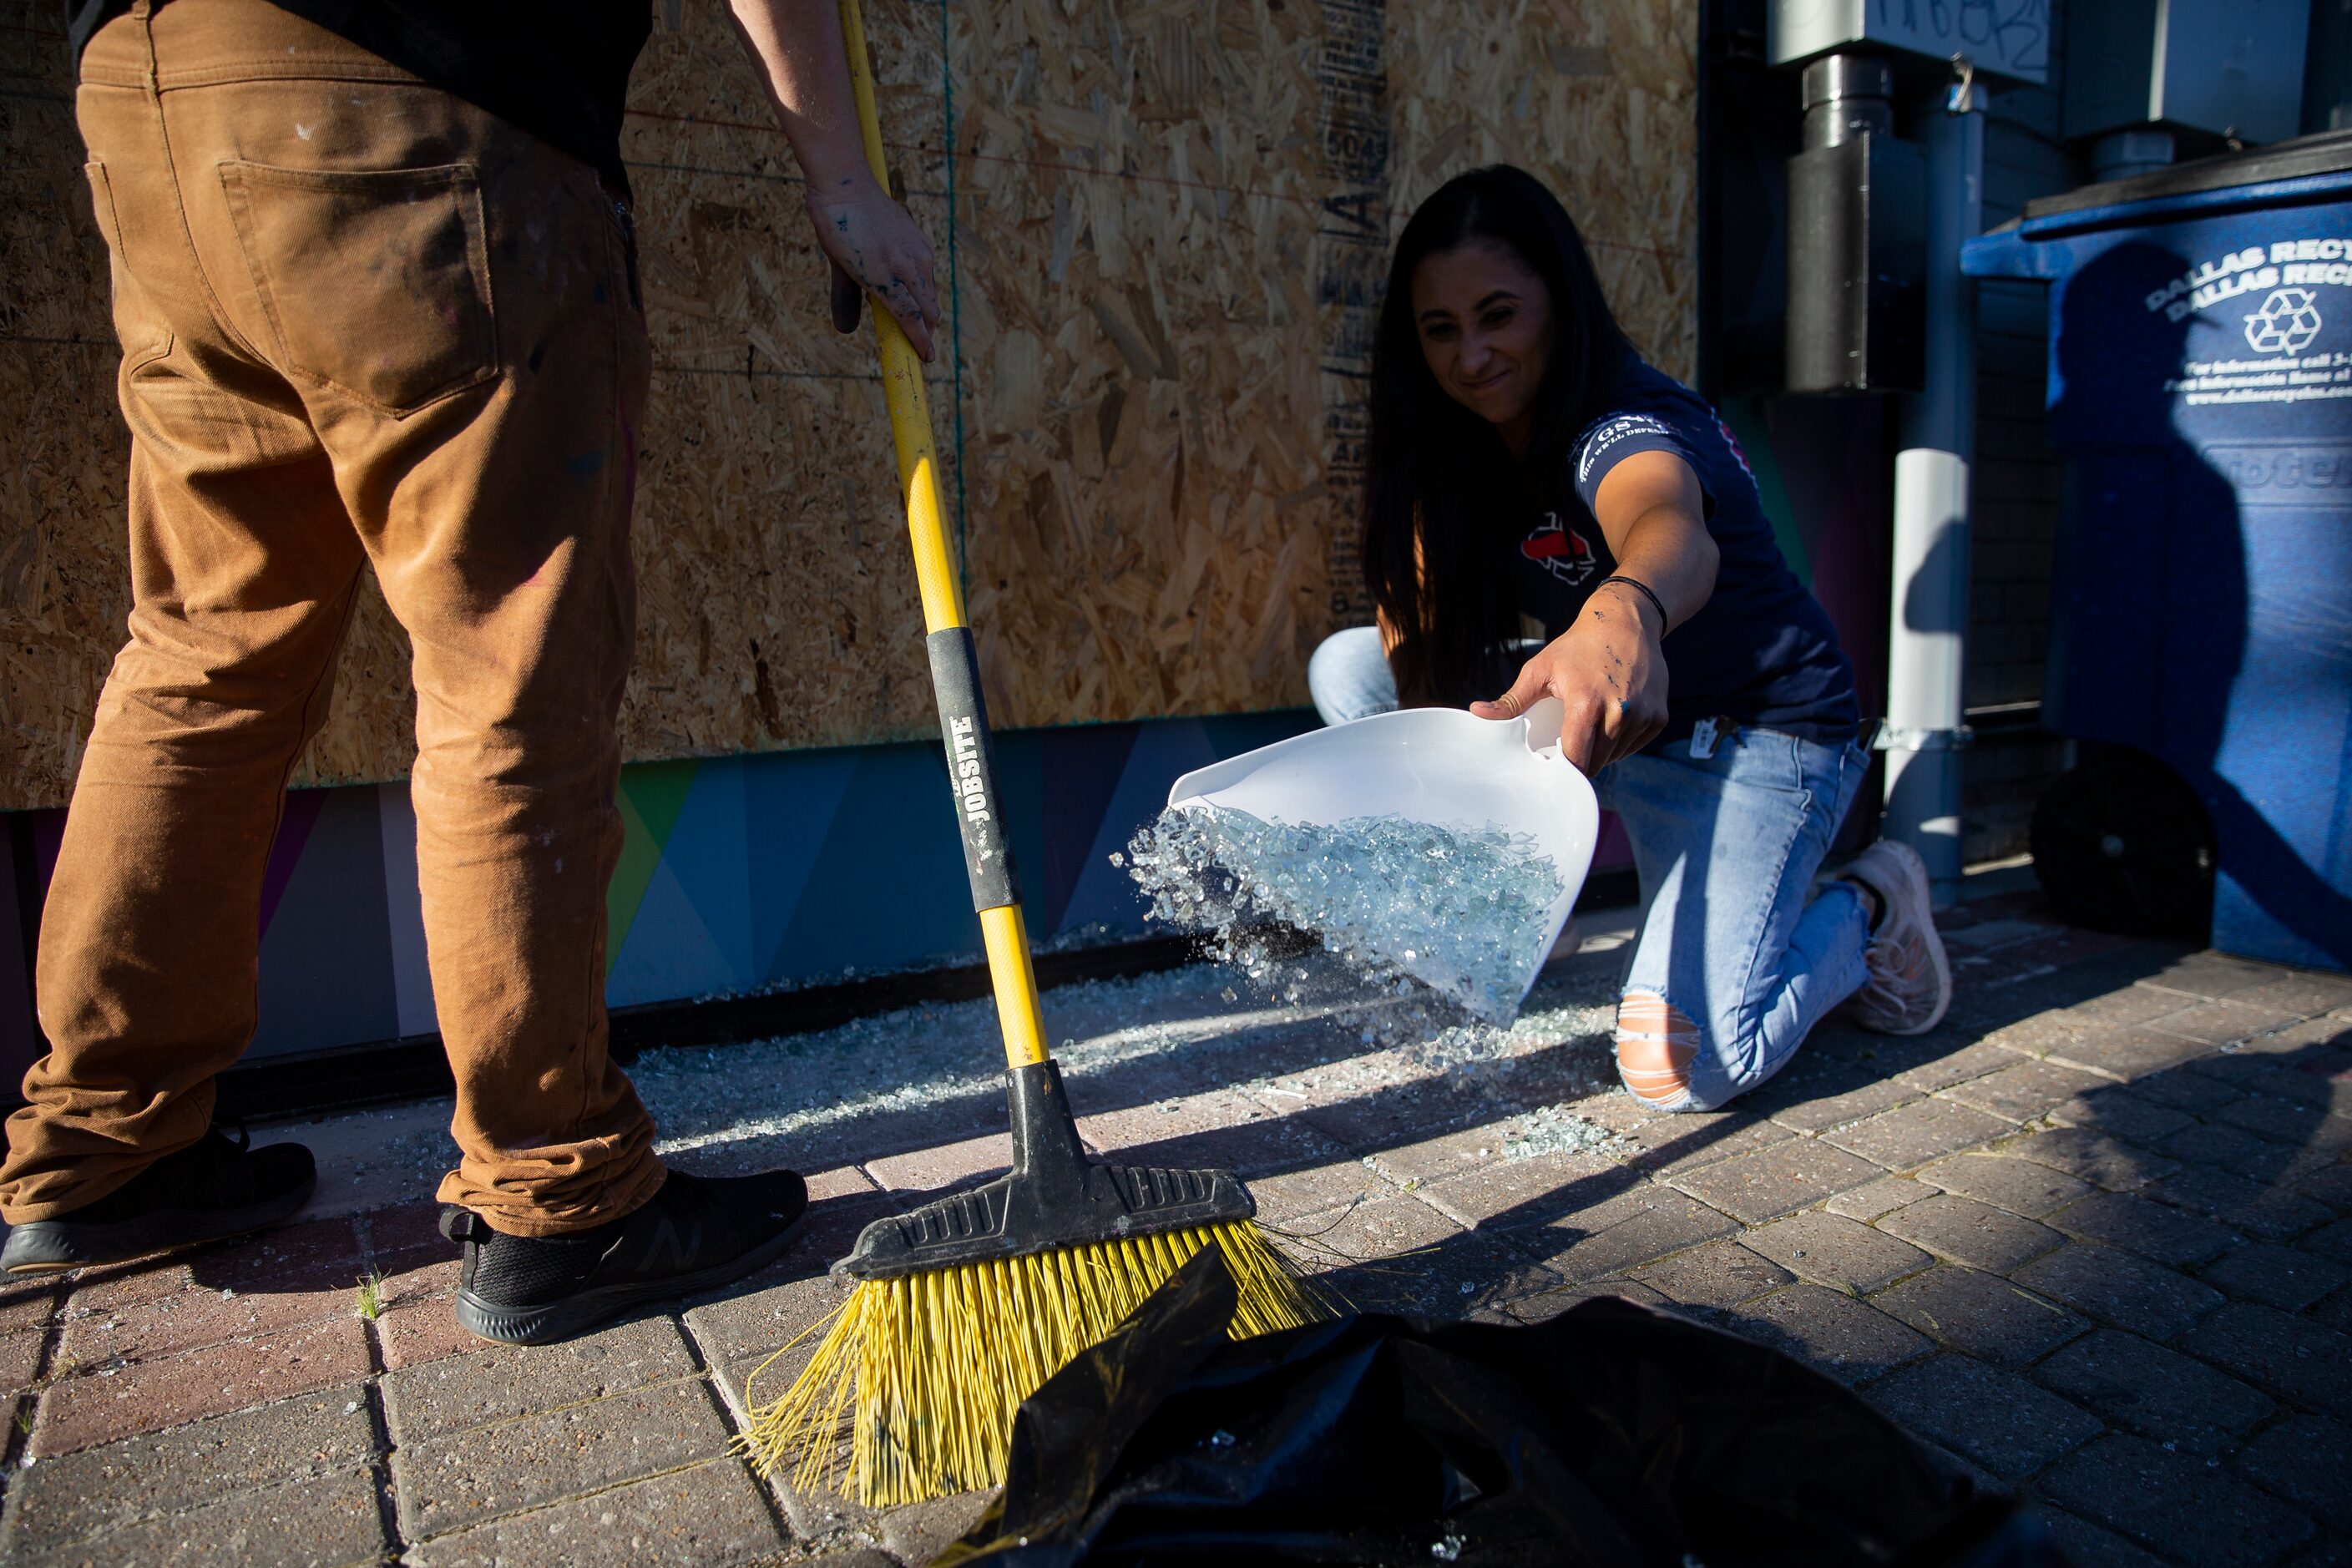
(1738, 957)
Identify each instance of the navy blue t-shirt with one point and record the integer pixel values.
(1760, 651)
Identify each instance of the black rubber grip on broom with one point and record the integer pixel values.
(972, 768)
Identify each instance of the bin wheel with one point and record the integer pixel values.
(2121, 844)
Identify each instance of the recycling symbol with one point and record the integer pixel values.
(2286, 322)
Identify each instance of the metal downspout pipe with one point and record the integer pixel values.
(1926, 721)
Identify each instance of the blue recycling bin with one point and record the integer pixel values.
(2201, 392)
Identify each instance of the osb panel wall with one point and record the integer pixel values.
(1167, 228)
(1598, 98)
(63, 580)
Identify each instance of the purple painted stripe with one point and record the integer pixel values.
(49, 838)
(301, 814)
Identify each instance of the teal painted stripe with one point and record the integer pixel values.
(652, 796)
(1746, 417)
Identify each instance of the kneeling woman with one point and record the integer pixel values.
(1527, 466)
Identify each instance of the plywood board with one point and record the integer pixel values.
(1167, 220)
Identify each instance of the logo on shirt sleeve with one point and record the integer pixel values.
(1609, 432)
(1560, 549)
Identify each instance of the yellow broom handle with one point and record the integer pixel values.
(902, 381)
(954, 671)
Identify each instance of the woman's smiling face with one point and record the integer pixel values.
(1486, 329)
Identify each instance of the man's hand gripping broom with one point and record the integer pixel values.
(964, 1306)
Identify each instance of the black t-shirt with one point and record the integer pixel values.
(1761, 651)
(557, 69)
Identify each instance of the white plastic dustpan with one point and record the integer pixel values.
(1438, 766)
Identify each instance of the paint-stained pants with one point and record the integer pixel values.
(364, 324)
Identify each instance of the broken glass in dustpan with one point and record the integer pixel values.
(1447, 831)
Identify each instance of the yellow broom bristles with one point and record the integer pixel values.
(937, 1364)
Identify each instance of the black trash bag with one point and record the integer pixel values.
(1613, 1434)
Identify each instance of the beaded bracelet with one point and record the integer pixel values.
(1664, 620)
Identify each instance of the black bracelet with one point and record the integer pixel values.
(1664, 620)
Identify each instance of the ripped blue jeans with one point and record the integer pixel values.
(1738, 956)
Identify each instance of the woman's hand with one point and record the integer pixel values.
(1608, 667)
(1609, 670)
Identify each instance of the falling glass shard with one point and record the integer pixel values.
(1467, 914)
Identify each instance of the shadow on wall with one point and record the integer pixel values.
(2151, 631)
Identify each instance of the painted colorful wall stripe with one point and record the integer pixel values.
(736, 874)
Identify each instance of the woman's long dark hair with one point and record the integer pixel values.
(1435, 462)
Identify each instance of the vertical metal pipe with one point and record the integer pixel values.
(1842, 334)
(1927, 630)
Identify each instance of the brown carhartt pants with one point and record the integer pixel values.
(363, 324)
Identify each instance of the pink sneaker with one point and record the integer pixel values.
(1910, 983)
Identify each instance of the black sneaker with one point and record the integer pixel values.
(211, 1189)
(698, 1233)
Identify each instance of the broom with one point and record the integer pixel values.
(963, 1307)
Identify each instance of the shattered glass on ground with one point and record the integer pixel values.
(1402, 905)
(924, 1076)
(1557, 1130)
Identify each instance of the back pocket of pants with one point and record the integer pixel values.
(143, 337)
(376, 283)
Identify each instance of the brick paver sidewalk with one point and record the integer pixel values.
(2089, 1238)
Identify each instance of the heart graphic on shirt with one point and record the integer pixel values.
(1559, 549)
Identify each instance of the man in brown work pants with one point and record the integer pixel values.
(378, 308)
